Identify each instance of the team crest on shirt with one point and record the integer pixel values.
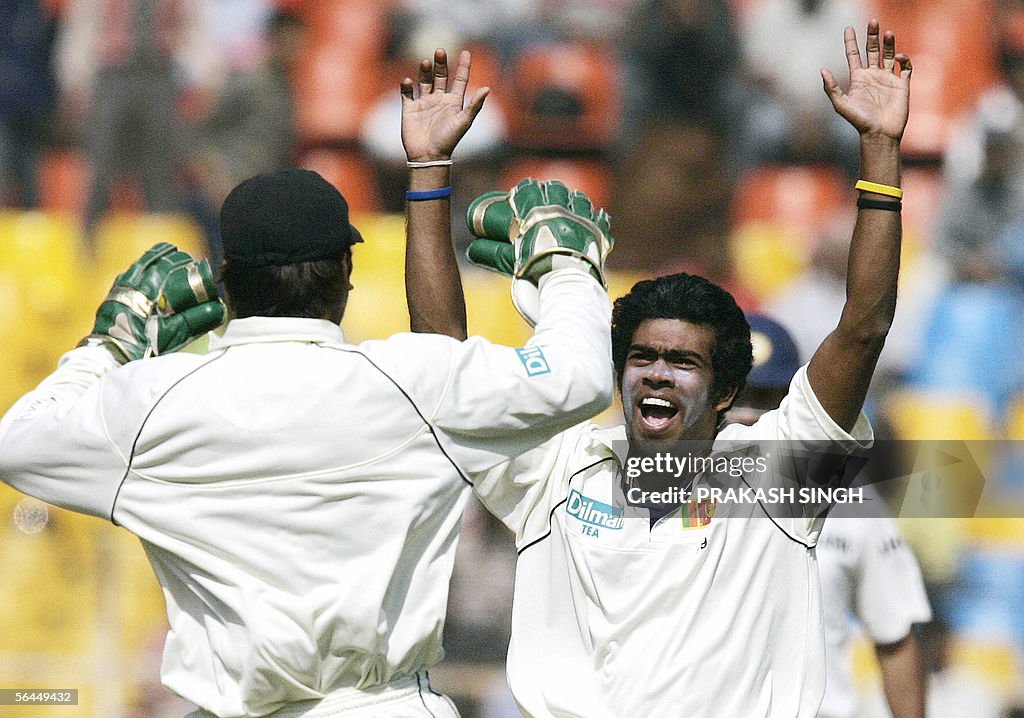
(697, 514)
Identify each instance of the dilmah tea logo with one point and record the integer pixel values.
(534, 360)
(593, 512)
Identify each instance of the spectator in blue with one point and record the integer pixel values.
(26, 99)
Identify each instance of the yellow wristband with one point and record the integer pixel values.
(887, 190)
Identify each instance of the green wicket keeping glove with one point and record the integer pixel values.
(159, 304)
(536, 228)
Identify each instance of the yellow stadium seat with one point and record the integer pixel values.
(383, 249)
(42, 310)
(56, 565)
(489, 309)
(934, 415)
(40, 257)
(767, 258)
(377, 308)
(996, 662)
(949, 438)
(123, 238)
(800, 198)
(998, 531)
(620, 283)
(1015, 419)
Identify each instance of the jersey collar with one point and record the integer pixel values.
(254, 330)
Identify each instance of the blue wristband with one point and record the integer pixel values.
(439, 193)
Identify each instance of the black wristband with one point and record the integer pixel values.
(890, 205)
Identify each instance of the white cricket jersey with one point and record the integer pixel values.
(693, 617)
(298, 497)
(866, 570)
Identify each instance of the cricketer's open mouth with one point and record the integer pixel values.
(656, 413)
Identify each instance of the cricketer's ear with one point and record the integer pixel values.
(346, 268)
(725, 398)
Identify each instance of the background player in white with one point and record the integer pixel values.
(866, 568)
(620, 610)
(299, 497)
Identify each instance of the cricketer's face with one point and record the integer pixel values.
(667, 380)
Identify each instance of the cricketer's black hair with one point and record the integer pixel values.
(317, 289)
(692, 299)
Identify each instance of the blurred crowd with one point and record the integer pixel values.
(700, 124)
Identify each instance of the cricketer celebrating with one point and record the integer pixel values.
(299, 497)
(865, 566)
(627, 610)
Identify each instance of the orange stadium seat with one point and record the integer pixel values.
(346, 44)
(922, 194)
(592, 177)
(777, 214)
(486, 70)
(800, 198)
(350, 172)
(584, 74)
(740, 8)
(954, 60)
(63, 181)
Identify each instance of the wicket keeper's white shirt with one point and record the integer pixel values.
(867, 570)
(693, 617)
(298, 497)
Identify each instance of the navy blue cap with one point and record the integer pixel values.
(776, 358)
(285, 217)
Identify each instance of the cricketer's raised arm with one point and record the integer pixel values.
(434, 119)
(877, 105)
(55, 443)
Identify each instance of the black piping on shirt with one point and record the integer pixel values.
(135, 441)
(430, 427)
(551, 515)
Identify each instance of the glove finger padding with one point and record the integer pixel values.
(581, 205)
(133, 275)
(187, 307)
(122, 318)
(497, 257)
(557, 193)
(565, 232)
(167, 333)
(536, 228)
(186, 286)
(491, 216)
